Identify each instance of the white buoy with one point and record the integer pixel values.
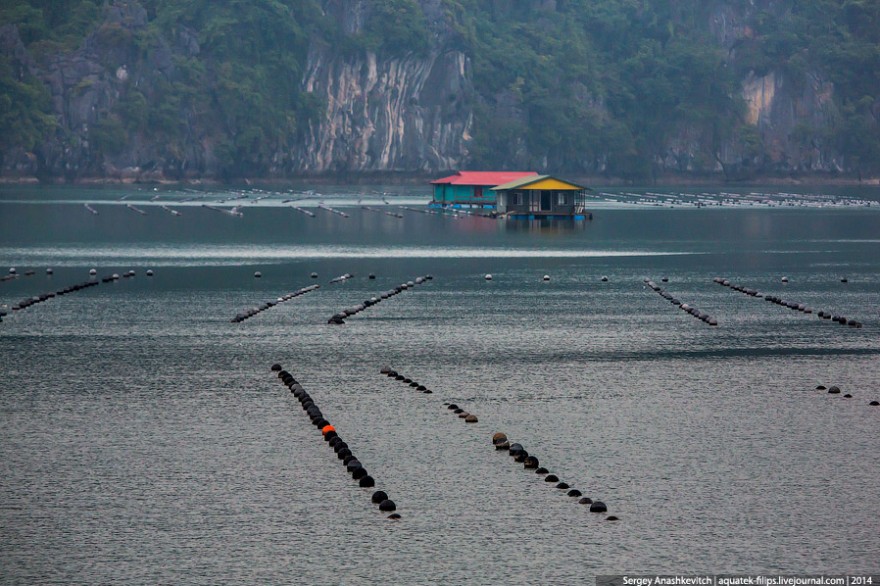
(149, 272)
(115, 276)
(546, 277)
(785, 279)
(93, 272)
(11, 270)
(604, 279)
(49, 271)
(488, 277)
(258, 274)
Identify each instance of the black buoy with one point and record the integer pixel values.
(598, 507)
(551, 478)
(563, 486)
(387, 506)
(874, 403)
(834, 390)
(586, 501)
(379, 496)
(276, 367)
(821, 388)
(530, 463)
(343, 453)
(348, 459)
(542, 470)
(521, 456)
(574, 492)
(359, 473)
(452, 406)
(847, 396)
(367, 482)
(611, 518)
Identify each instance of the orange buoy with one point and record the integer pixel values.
(327, 429)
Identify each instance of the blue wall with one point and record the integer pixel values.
(463, 194)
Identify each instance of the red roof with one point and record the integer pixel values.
(492, 178)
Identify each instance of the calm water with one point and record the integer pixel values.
(143, 438)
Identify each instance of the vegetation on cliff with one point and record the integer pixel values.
(582, 86)
(617, 81)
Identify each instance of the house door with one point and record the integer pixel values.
(546, 201)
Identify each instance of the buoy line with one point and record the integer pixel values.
(802, 307)
(40, 298)
(700, 315)
(251, 312)
(501, 443)
(340, 317)
(835, 390)
(331, 435)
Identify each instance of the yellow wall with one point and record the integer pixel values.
(550, 183)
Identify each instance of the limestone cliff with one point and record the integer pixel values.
(405, 114)
(143, 102)
(783, 110)
(387, 113)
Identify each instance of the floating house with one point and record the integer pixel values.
(541, 196)
(473, 188)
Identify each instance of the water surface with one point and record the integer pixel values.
(143, 438)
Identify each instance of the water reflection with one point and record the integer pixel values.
(545, 226)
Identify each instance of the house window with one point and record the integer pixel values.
(560, 199)
(478, 191)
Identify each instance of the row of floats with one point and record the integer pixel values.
(252, 311)
(501, 443)
(340, 317)
(700, 315)
(341, 449)
(793, 305)
(46, 296)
